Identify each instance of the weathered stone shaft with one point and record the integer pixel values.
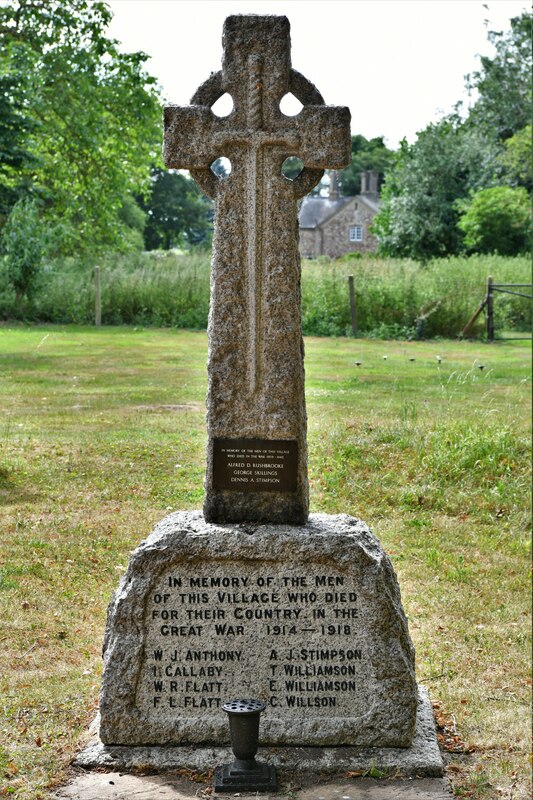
(256, 376)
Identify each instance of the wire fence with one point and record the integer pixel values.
(487, 305)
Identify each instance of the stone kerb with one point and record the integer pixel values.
(307, 618)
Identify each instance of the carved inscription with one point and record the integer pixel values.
(258, 465)
(290, 638)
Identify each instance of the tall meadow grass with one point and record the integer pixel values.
(394, 298)
(399, 297)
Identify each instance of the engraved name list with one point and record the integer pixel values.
(293, 639)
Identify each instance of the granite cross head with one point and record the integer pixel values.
(256, 419)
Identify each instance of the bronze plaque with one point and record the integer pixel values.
(255, 465)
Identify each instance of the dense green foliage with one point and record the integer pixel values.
(178, 213)
(419, 218)
(85, 121)
(16, 159)
(497, 220)
(401, 299)
(517, 159)
(455, 158)
(367, 154)
(504, 82)
(23, 245)
(80, 135)
(395, 298)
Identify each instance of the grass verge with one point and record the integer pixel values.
(102, 433)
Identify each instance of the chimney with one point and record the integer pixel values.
(370, 183)
(333, 193)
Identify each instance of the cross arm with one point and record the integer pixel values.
(190, 140)
(324, 134)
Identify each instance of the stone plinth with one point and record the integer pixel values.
(422, 758)
(306, 618)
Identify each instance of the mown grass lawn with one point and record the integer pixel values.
(102, 432)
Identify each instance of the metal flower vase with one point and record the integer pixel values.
(245, 774)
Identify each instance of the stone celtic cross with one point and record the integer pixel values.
(257, 453)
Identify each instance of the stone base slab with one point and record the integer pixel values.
(422, 759)
(308, 619)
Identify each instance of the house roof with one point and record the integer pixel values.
(314, 211)
(372, 202)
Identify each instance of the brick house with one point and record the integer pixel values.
(336, 225)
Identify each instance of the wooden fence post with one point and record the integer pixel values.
(490, 310)
(473, 318)
(97, 298)
(353, 309)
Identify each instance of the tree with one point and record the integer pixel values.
(456, 158)
(504, 82)
(516, 158)
(133, 221)
(16, 158)
(418, 217)
(23, 244)
(479, 156)
(367, 154)
(497, 220)
(94, 113)
(177, 212)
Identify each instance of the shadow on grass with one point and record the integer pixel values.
(12, 491)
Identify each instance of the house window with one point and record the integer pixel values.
(356, 233)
